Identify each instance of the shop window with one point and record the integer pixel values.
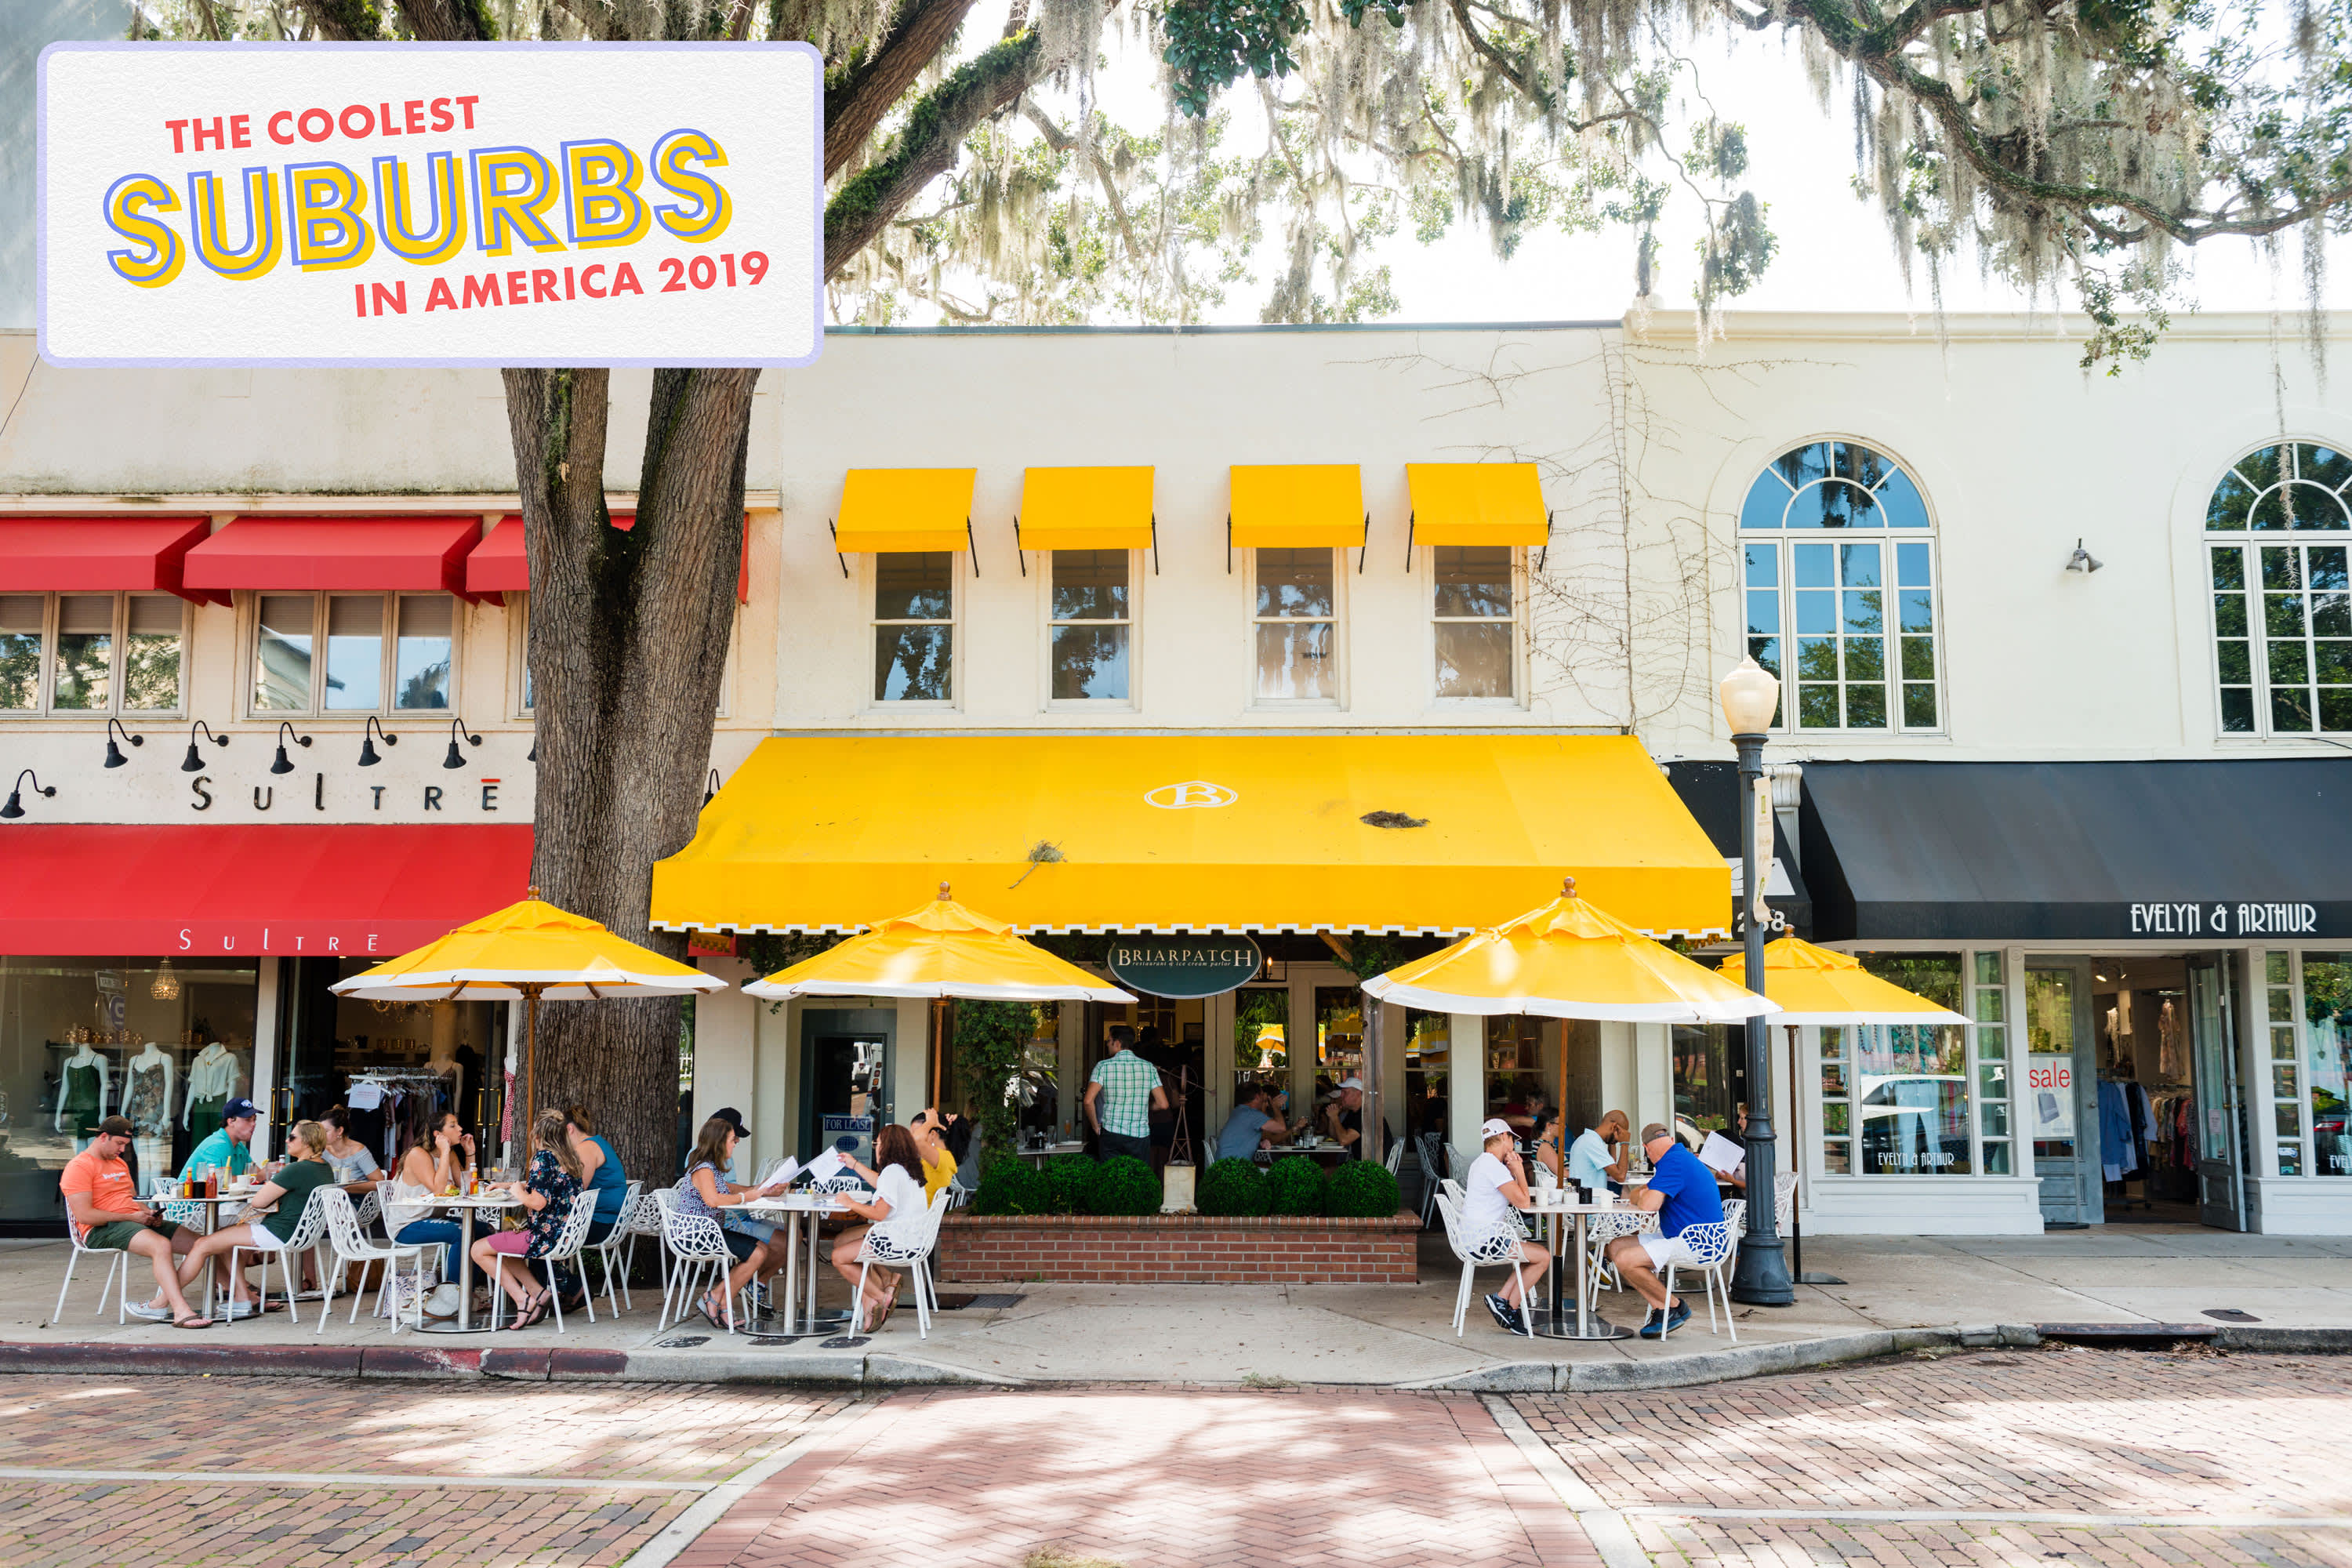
(1908, 1098)
(1702, 1071)
(2323, 1004)
(1297, 620)
(2281, 601)
(92, 653)
(1261, 1039)
(2327, 1058)
(1847, 622)
(355, 652)
(914, 626)
(1988, 1007)
(1428, 1054)
(1477, 623)
(1090, 626)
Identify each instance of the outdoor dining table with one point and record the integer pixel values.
(1328, 1146)
(466, 1207)
(210, 1207)
(1047, 1151)
(793, 1212)
(1557, 1204)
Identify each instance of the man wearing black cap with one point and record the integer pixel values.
(98, 1189)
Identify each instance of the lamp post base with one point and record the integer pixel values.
(1760, 1279)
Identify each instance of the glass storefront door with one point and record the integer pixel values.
(2061, 1089)
(2220, 1131)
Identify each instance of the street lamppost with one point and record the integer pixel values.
(1750, 696)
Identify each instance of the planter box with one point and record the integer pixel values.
(1177, 1250)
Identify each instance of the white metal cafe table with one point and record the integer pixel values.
(1557, 1204)
(211, 1208)
(490, 1203)
(792, 1309)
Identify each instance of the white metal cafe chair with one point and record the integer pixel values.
(306, 1232)
(1429, 1149)
(351, 1244)
(1599, 1230)
(1784, 1200)
(696, 1243)
(117, 1261)
(566, 1249)
(1709, 1248)
(1481, 1250)
(643, 1218)
(1396, 1156)
(616, 1240)
(909, 1249)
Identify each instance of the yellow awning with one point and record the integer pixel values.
(903, 509)
(1061, 832)
(1300, 506)
(1478, 503)
(1086, 508)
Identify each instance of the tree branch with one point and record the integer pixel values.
(858, 95)
(450, 21)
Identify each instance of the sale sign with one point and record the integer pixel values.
(431, 204)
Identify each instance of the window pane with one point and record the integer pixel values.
(281, 661)
(2283, 615)
(355, 653)
(1918, 659)
(1918, 610)
(1865, 660)
(422, 658)
(2229, 615)
(1817, 707)
(1817, 658)
(1918, 706)
(2327, 1015)
(2327, 563)
(2291, 710)
(1858, 565)
(1900, 504)
(1294, 583)
(1862, 615)
(2227, 509)
(1090, 585)
(2322, 465)
(1764, 614)
(914, 586)
(2331, 614)
(1763, 566)
(1816, 611)
(1296, 661)
(1815, 565)
(2281, 567)
(2336, 708)
(1473, 580)
(1089, 662)
(1805, 464)
(1865, 706)
(1767, 498)
(2229, 568)
(911, 663)
(151, 655)
(20, 649)
(2236, 666)
(1473, 660)
(1996, 1158)
(83, 678)
(1833, 503)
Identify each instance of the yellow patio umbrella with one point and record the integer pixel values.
(529, 952)
(938, 950)
(1816, 985)
(1568, 960)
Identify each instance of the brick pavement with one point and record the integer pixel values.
(2053, 1431)
(1160, 1478)
(620, 1432)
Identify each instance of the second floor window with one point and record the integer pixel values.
(1092, 622)
(914, 626)
(2277, 533)
(1298, 619)
(1839, 588)
(92, 653)
(1477, 640)
(355, 652)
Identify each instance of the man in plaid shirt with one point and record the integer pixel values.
(1121, 1094)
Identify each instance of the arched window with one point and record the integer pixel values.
(2276, 529)
(1858, 610)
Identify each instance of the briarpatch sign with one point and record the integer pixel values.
(1184, 966)
(430, 205)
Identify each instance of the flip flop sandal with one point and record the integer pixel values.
(192, 1322)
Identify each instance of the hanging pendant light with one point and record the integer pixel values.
(194, 763)
(285, 729)
(167, 985)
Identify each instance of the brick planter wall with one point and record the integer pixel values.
(1177, 1250)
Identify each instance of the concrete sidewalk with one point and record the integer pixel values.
(1900, 1293)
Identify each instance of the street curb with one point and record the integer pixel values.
(552, 1363)
(1725, 1365)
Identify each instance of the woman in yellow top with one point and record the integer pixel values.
(931, 1129)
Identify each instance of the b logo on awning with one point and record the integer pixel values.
(1187, 796)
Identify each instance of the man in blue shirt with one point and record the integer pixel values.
(1681, 1194)
(1251, 1126)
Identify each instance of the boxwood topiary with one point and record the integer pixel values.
(1235, 1188)
(1361, 1189)
(1012, 1186)
(1297, 1187)
(1070, 1183)
(1125, 1186)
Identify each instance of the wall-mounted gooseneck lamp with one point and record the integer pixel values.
(2083, 560)
(457, 759)
(711, 789)
(15, 806)
(285, 727)
(194, 763)
(369, 756)
(114, 757)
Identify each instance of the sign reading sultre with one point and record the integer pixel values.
(430, 205)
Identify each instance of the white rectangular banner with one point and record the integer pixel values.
(431, 204)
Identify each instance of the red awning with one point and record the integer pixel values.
(499, 566)
(362, 553)
(108, 554)
(251, 890)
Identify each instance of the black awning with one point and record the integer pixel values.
(2080, 851)
(1710, 792)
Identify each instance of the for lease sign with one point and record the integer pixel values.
(441, 204)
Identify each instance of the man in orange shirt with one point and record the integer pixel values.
(100, 1198)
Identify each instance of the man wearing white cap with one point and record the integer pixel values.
(1343, 1119)
(1498, 1184)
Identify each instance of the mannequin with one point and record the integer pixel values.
(147, 1101)
(212, 1078)
(83, 1096)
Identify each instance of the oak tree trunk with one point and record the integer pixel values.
(629, 634)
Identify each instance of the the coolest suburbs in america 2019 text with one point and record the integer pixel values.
(317, 212)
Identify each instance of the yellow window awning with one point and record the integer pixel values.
(1478, 503)
(1298, 506)
(903, 509)
(1086, 508)
(1193, 833)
